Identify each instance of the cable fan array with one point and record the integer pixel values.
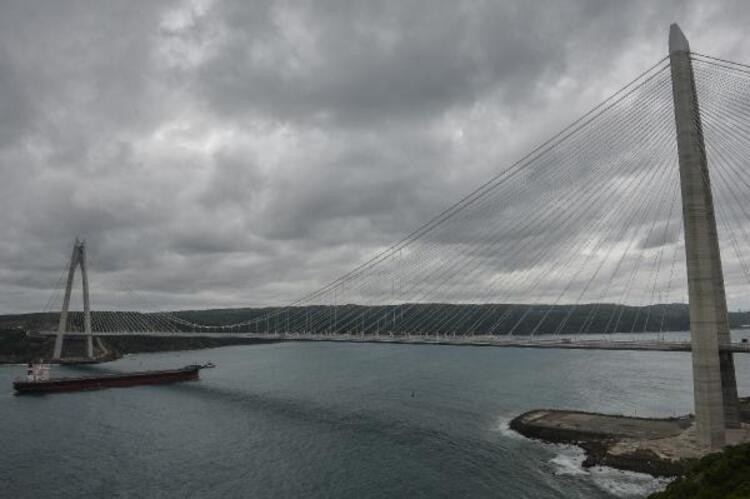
(583, 235)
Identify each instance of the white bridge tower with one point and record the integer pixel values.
(77, 259)
(714, 384)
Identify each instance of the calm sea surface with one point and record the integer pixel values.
(334, 420)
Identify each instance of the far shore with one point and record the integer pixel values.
(18, 348)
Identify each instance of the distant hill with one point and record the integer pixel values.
(441, 318)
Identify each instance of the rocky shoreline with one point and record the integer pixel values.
(596, 444)
(661, 447)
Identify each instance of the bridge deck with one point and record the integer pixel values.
(512, 342)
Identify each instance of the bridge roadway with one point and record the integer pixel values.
(492, 341)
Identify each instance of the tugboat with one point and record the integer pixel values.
(38, 379)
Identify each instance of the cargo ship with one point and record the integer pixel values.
(38, 379)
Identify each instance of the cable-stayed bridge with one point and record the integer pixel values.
(598, 230)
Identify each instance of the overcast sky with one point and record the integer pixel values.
(240, 153)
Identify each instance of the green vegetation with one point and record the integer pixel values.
(722, 475)
(15, 346)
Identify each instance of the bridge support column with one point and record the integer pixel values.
(714, 384)
(77, 258)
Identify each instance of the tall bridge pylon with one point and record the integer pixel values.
(78, 258)
(714, 384)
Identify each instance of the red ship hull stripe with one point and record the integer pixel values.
(74, 384)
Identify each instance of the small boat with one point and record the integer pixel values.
(38, 379)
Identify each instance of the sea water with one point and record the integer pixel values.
(335, 420)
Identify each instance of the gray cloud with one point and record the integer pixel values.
(226, 153)
(358, 63)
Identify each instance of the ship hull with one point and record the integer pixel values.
(189, 373)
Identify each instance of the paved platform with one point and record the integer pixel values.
(663, 447)
(608, 425)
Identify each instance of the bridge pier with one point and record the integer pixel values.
(714, 384)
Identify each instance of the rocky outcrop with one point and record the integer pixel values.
(600, 435)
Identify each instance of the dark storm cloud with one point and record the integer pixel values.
(359, 62)
(222, 153)
(15, 105)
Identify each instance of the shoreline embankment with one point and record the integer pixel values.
(661, 447)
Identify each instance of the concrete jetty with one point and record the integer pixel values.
(657, 446)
